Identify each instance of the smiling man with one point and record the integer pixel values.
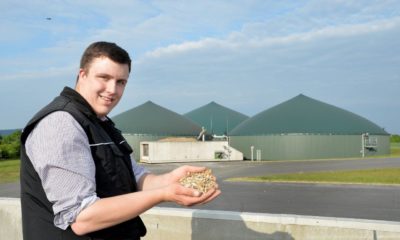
(101, 82)
(78, 180)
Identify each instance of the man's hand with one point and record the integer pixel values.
(181, 195)
(188, 196)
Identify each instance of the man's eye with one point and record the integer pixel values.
(122, 83)
(103, 77)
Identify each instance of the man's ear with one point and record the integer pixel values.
(81, 75)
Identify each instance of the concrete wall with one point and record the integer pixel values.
(182, 224)
(164, 223)
(10, 219)
(135, 139)
(161, 152)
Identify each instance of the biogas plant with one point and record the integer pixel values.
(297, 129)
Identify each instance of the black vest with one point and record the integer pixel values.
(114, 174)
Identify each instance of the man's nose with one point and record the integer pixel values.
(111, 86)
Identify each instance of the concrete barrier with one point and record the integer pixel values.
(172, 223)
(165, 152)
(177, 223)
(10, 219)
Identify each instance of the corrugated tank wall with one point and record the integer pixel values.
(292, 147)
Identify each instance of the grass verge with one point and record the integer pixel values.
(9, 170)
(386, 176)
(395, 149)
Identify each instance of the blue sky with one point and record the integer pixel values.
(246, 55)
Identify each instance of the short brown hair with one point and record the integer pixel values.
(105, 49)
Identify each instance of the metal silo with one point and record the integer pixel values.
(151, 122)
(215, 118)
(305, 128)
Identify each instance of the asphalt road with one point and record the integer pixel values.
(333, 200)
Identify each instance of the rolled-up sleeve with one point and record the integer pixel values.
(60, 153)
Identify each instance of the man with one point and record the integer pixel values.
(77, 178)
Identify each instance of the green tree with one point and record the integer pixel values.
(395, 138)
(10, 145)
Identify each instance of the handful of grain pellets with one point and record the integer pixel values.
(201, 181)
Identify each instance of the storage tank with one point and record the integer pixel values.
(215, 118)
(305, 128)
(151, 122)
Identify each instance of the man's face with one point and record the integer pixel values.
(102, 84)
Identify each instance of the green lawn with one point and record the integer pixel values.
(395, 149)
(9, 171)
(370, 176)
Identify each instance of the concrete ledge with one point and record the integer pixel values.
(178, 223)
(10, 219)
(173, 223)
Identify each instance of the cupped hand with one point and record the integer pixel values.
(188, 196)
(178, 173)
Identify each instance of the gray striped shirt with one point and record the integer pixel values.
(60, 153)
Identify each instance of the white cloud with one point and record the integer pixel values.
(239, 40)
(51, 72)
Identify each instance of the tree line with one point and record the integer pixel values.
(10, 145)
(395, 138)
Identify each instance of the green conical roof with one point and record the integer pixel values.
(304, 115)
(216, 118)
(150, 118)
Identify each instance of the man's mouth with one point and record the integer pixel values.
(107, 99)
